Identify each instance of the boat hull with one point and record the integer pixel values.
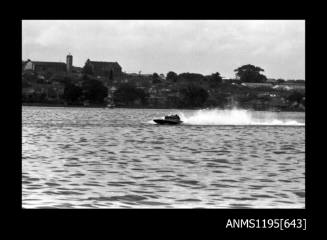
(167, 122)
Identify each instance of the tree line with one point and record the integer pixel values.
(192, 89)
(90, 90)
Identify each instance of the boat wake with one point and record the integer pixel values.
(237, 117)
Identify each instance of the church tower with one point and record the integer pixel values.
(69, 63)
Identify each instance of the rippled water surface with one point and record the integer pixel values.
(114, 158)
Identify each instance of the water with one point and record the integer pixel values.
(118, 158)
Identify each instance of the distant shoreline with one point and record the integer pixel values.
(143, 107)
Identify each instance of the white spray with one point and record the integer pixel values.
(235, 117)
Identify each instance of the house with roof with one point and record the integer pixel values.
(49, 67)
(110, 71)
(38, 66)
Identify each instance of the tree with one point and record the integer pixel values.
(296, 96)
(72, 93)
(128, 93)
(191, 77)
(214, 79)
(172, 76)
(25, 84)
(29, 76)
(88, 69)
(94, 90)
(193, 95)
(250, 73)
(155, 78)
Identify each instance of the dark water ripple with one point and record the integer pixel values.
(113, 158)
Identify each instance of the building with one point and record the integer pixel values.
(271, 80)
(111, 71)
(293, 85)
(139, 80)
(45, 66)
(49, 67)
(69, 63)
(257, 85)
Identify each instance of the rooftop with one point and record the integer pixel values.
(48, 63)
(104, 64)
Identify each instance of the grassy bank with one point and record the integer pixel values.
(160, 107)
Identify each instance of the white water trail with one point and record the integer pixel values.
(236, 117)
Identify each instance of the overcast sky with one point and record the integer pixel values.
(200, 46)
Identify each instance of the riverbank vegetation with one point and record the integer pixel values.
(251, 90)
